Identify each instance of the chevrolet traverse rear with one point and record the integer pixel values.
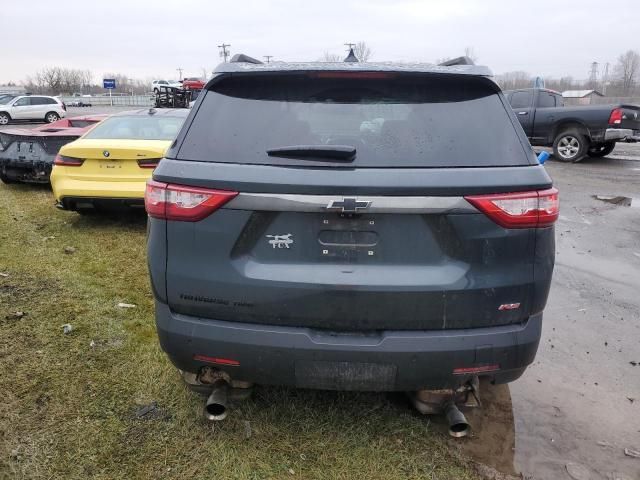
(352, 227)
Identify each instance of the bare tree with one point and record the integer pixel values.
(627, 70)
(470, 52)
(512, 80)
(362, 51)
(330, 57)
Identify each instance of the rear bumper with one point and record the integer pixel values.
(621, 134)
(383, 361)
(67, 188)
(34, 170)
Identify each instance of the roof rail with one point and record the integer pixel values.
(242, 58)
(464, 60)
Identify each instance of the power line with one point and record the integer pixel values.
(223, 50)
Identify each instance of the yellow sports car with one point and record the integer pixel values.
(111, 163)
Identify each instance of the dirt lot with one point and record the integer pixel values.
(72, 408)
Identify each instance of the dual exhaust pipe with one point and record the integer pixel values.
(216, 409)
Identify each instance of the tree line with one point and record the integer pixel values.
(68, 81)
(622, 81)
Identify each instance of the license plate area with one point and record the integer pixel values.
(348, 237)
(109, 164)
(345, 375)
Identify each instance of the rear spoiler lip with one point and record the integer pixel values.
(218, 77)
(225, 70)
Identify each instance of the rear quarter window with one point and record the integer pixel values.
(401, 121)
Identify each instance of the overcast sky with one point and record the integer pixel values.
(151, 38)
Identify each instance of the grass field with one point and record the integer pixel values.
(70, 401)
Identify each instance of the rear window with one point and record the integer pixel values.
(546, 100)
(137, 127)
(403, 121)
(81, 123)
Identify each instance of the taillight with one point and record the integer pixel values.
(65, 161)
(181, 203)
(535, 209)
(616, 116)
(148, 163)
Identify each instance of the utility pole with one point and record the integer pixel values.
(223, 50)
(349, 46)
(179, 69)
(593, 75)
(605, 78)
(267, 58)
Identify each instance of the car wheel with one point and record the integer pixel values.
(51, 117)
(601, 149)
(4, 118)
(156, 91)
(7, 179)
(570, 146)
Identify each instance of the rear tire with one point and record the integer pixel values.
(51, 117)
(601, 149)
(7, 179)
(4, 118)
(570, 146)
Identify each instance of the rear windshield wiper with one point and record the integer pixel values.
(315, 152)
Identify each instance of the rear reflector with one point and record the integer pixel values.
(68, 161)
(616, 116)
(217, 360)
(472, 370)
(535, 209)
(181, 203)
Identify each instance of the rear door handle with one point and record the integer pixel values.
(523, 113)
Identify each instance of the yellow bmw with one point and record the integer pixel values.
(111, 163)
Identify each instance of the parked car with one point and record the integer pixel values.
(79, 103)
(32, 107)
(193, 83)
(573, 132)
(111, 163)
(27, 154)
(360, 227)
(156, 84)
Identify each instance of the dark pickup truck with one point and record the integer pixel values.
(573, 132)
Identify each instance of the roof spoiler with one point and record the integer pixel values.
(242, 58)
(464, 60)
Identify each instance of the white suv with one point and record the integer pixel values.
(156, 84)
(31, 107)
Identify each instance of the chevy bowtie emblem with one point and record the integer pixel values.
(348, 205)
(106, 154)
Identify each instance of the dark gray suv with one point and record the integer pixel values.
(351, 226)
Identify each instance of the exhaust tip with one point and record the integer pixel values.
(458, 425)
(459, 430)
(215, 412)
(215, 408)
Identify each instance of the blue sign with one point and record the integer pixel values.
(109, 83)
